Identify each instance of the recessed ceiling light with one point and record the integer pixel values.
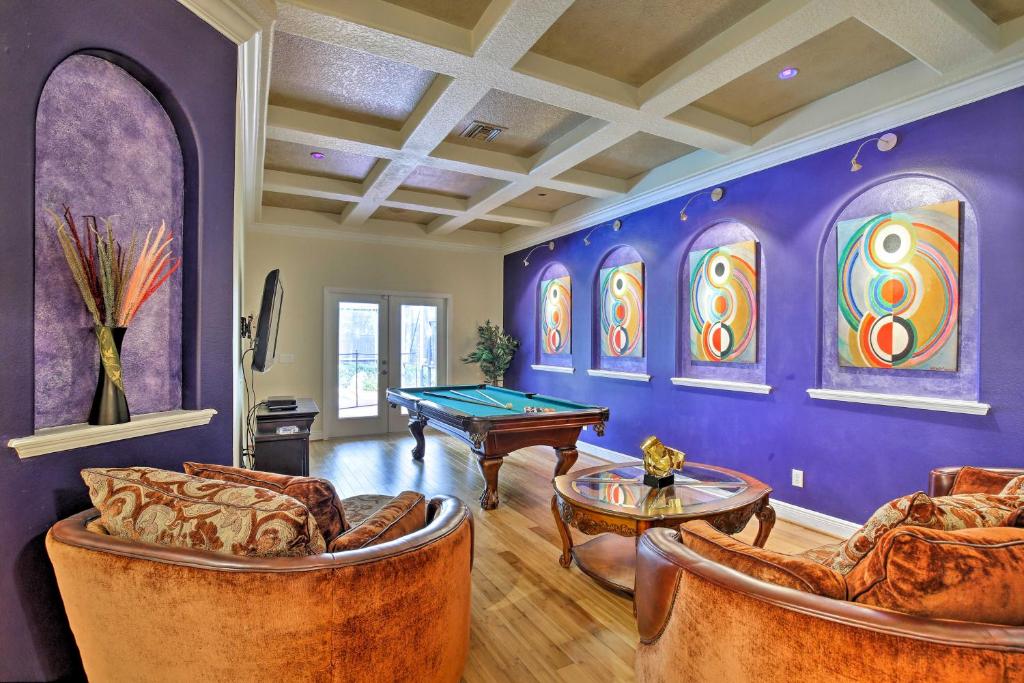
(317, 155)
(542, 194)
(788, 73)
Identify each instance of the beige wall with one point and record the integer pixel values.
(309, 264)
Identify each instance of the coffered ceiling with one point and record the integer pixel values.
(603, 104)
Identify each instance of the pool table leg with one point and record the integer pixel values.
(416, 426)
(566, 459)
(489, 466)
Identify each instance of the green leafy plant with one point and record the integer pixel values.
(494, 351)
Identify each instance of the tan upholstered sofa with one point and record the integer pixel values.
(702, 622)
(397, 611)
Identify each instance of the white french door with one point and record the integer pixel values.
(372, 342)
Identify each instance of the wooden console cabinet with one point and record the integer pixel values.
(284, 453)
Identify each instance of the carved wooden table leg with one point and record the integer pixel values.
(566, 459)
(765, 522)
(489, 467)
(416, 425)
(563, 530)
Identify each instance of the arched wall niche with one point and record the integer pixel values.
(111, 142)
(901, 193)
(719, 234)
(554, 314)
(635, 361)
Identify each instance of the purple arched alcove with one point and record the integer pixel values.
(548, 272)
(618, 256)
(105, 147)
(717, 235)
(903, 193)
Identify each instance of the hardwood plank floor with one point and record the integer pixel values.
(532, 620)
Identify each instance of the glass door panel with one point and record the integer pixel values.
(418, 346)
(355, 364)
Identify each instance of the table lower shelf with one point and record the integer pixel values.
(610, 560)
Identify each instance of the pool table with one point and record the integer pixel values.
(497, 424)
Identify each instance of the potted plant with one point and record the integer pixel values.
(494, 352)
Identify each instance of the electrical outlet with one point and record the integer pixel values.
(798, 479)
(586, 427)
(287, 358)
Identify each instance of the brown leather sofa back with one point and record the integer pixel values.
(700, 621)
(940, 480)
(398, 611)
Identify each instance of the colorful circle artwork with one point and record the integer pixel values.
(622, 310)
(899, 289)
(723, 303)
(556, 315)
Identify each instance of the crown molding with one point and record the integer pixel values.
(700, 170)
(237, 21)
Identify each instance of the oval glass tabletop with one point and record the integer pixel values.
(622, 489)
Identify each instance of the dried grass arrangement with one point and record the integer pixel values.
(114, 281)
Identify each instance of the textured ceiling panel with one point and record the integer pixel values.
(440, 181)
(544, 199)
(294, 158)
(482, 225)
(464, 13)
(1001, 11)
(634, 40)
(389, 213)
(842, 56)
(293, 201)
(532, 126)
(332, 80)
(636, 154)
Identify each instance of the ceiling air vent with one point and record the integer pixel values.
(485, 132)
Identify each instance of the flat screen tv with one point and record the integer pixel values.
(265, 345)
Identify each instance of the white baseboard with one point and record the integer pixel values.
(812, 519)
(818, 521)
(316, 435)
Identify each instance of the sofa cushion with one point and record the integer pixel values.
(791, 571)
(949, 513)
(403, 514)
(979, 480)
(358, 508)
(318, 495)
(156, 506)
(968, 575)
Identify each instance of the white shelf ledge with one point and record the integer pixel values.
(554, 368)
(946, 405)
(616, 374)
(722, 385)
(55, 439)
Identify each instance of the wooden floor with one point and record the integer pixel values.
(532, 620)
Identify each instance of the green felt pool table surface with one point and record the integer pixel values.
(519, 400)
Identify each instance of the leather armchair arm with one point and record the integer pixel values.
(662, 559)
(940, 480)
(445, 515)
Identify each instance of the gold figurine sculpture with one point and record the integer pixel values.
(659, 462)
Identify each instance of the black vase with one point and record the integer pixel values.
(109, 405)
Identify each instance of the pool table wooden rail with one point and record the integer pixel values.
(492, 437)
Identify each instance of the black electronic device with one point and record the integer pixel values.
(265, 344)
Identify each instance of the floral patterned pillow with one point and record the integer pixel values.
(948, 513)
(1014, 487)
(156, 506)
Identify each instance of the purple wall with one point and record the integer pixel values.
(105, 147)
(191, 70)
(854, 457)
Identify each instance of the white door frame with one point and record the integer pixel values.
(330, 341)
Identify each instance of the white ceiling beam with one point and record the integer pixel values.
(941, 33)
(762, 35)
(317, 130)
(312, 186)
(517, 215)
(587, 183)
(426, 201)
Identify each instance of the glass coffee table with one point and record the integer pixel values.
(612, 503)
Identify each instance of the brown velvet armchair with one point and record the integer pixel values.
(702, 622)
(398, 611)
